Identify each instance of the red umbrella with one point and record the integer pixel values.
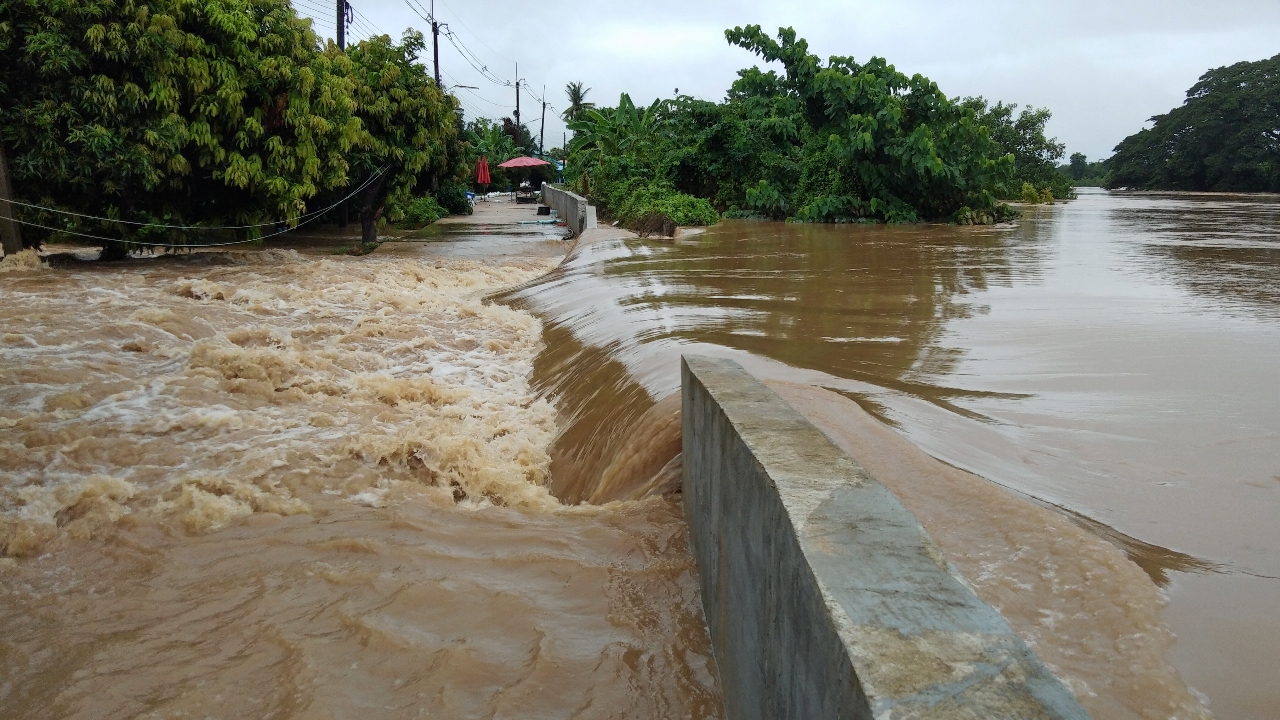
(520, 162)
(482, 171)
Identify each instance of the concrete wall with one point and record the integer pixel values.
(824, 596)
(573, 209)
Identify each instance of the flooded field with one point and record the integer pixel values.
(285, 484)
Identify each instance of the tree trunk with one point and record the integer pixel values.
(372, 206)
(10, 236)
(112, 251)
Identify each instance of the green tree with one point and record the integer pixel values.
(1035, 156)
(834, 141)
(520, 135)
(1079, 166)
(1084, 173)
(1224, 137)
(410, 121)
(577, 94)
(169, 112)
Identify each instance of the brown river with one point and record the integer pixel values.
(437, 481)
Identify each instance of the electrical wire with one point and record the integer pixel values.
(474, 61)
(218, 244)
(369, 22)
(315, 7)
(318, 12)
(473, 32)
(157, 244)
(363, 29)
(315, 214)
(420, 10)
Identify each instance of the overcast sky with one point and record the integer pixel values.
(1102, 67)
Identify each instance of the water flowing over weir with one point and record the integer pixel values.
(1067, 359)
(280, 484)
(288, 485)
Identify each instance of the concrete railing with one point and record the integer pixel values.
(573, 209)
(824, 596)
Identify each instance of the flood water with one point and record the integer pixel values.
(284, 484)
(287, 485)
(1112, 361)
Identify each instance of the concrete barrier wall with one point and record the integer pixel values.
(576, 212)
(824, 596)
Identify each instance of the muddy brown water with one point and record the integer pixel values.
(1111, 362)
(284, 484)
(278, 484)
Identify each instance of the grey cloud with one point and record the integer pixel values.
(1103, 68)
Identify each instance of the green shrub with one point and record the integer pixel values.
(453, 198)
(1000, 213)
(1030, 195)
(681, 208)
(421, 211)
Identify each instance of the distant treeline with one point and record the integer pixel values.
(1224, 137)
(1083, 173)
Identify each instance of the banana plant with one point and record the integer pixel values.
(603, 132)
(488, 140)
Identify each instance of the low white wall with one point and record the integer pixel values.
(576, 212)
(824, 597)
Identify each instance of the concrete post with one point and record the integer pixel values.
(342, 25)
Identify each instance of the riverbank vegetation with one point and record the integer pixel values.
(189, 122)
(1084, 173)
(1035, 156)
(1224, 137)
(835, 141)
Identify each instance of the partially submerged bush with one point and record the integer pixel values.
(1000, 213)
(453, 198)
(1032, 196)
(421, 211)
(680, 208)
(653, 224)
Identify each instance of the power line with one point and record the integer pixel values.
(473, 32)
(478, 96)
(315, 214)
(364, 29)
(471, 57)
(474, 61)
(312, 5)
(319, 12)
(467, 54)
(369, 23)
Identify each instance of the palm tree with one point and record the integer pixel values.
(577, 101)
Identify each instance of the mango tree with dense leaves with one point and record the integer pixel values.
(164, 117)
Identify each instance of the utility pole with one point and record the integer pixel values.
(342, 45)
(517, 101)
(435, 40)
(342, 24)
(543, 132)
(10, 236)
